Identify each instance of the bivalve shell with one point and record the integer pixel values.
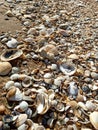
(21, 119)
(94, 119)
(5, 68)
(11, 54)
(68, 69)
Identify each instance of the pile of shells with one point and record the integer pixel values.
(50, 66)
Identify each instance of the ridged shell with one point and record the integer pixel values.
(5, 68)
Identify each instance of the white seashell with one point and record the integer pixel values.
(48, 75)
(23, 106)
(57, 82)
(12, 43)
(94, 119)
(85, 129)
(73, 89)
(5, 68)
(15, 70)
(68, 69)
(82, 105)
(14, 77)
(90, 106)
(8, 85)
(54, 67)
(29, 112)
(21, 119)
(18, 85)
(22, 127)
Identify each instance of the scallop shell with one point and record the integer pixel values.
(5, 68)
(11, 54)
(68, 68)
(21, 119)
(94, 119)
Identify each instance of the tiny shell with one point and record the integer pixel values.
(73, 56)
(90, 106)
(82, 105)
(27, 81)
(5, 68)
(21, 119)
(60, 107)
(94, 119)
(9, 84)
(22, 127)
(11, 54)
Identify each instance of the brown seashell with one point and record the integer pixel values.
(11, 92)
(94, 119)
(21, 119)
(2, 109)
(73, 104)
(5, 68)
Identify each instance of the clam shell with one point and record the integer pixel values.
(94, 119)
(68, 68)
(11, 54)
(21, 119)
(12, 43)
(5, 68)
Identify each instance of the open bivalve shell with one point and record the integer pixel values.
(68, 68)
(94, 119)
(11, 54)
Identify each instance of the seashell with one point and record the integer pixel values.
(48, 51)
(38, 127)
(8, 118)
(8, 85)
(90, 106)
(11, 54)
(15, 70)
(53, 67)
(21, 119)
(2, 109)
(60, 107)
(50, 122)
(48, 75)
(67, 68)
(11, 92)
(42, 103)
(1, 124)
(27, 81)
(17, 85)
(82, 105)
(29, 112)
(94, 119)
(72, 104)
(23, 106)
(86, 129)
(73, 56)
(18, 96)
(12, 43)
(48, 81)
(73, 89)
(94, 75)
(57, 82)
(29, 122)
(5, 68)
(22, 127)
(18, 76)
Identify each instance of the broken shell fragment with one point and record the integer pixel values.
(23, 106)
(11, 54)
(27, 82)
(5, 68)
(68, 69)
(94, 119)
